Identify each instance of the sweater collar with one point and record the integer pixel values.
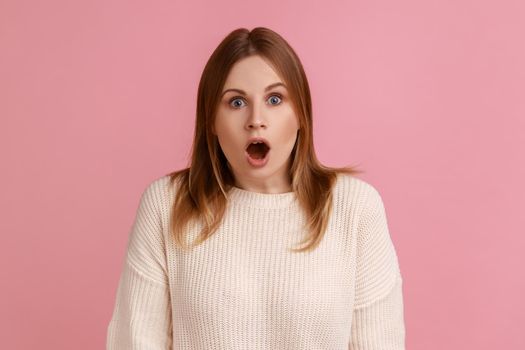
(261, 200)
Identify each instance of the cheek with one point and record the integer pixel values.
(287, 134)
(227, 136)
(292, 121)
(290, 125)
(225, 141)
(222, 127)
(227, 122)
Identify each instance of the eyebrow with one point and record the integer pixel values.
(269, 87)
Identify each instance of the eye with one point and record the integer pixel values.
(236, 98)
(278, 96)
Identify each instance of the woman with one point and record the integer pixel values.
(256, 245)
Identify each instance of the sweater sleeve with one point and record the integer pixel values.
(378, 320)
(142, 313)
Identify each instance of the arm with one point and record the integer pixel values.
(142, 314)
(378, 320)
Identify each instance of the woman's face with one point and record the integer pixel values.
(253, 106)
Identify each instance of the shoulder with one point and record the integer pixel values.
(358, 199)
(356, 191)
(161, 185)
(158, 193)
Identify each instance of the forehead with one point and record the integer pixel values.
(252, 73)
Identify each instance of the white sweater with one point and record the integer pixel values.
(241, 289)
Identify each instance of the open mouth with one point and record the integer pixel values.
(257, 150)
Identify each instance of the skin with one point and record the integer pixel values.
(268, 114)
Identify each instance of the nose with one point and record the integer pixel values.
(256, 124)
(255, 120)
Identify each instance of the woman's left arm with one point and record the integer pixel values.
(378, 316)
(380, 325)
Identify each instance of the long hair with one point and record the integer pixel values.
(204, 184)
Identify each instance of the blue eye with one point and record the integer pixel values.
(235, 99)
(278, 96)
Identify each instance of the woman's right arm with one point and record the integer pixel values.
(142, 313)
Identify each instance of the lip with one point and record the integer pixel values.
(257, 138)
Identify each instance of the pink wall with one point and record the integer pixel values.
(97, 98)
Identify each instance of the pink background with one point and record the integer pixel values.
(97, 98)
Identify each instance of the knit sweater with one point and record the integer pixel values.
(242, 288)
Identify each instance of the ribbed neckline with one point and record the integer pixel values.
(261, 200)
